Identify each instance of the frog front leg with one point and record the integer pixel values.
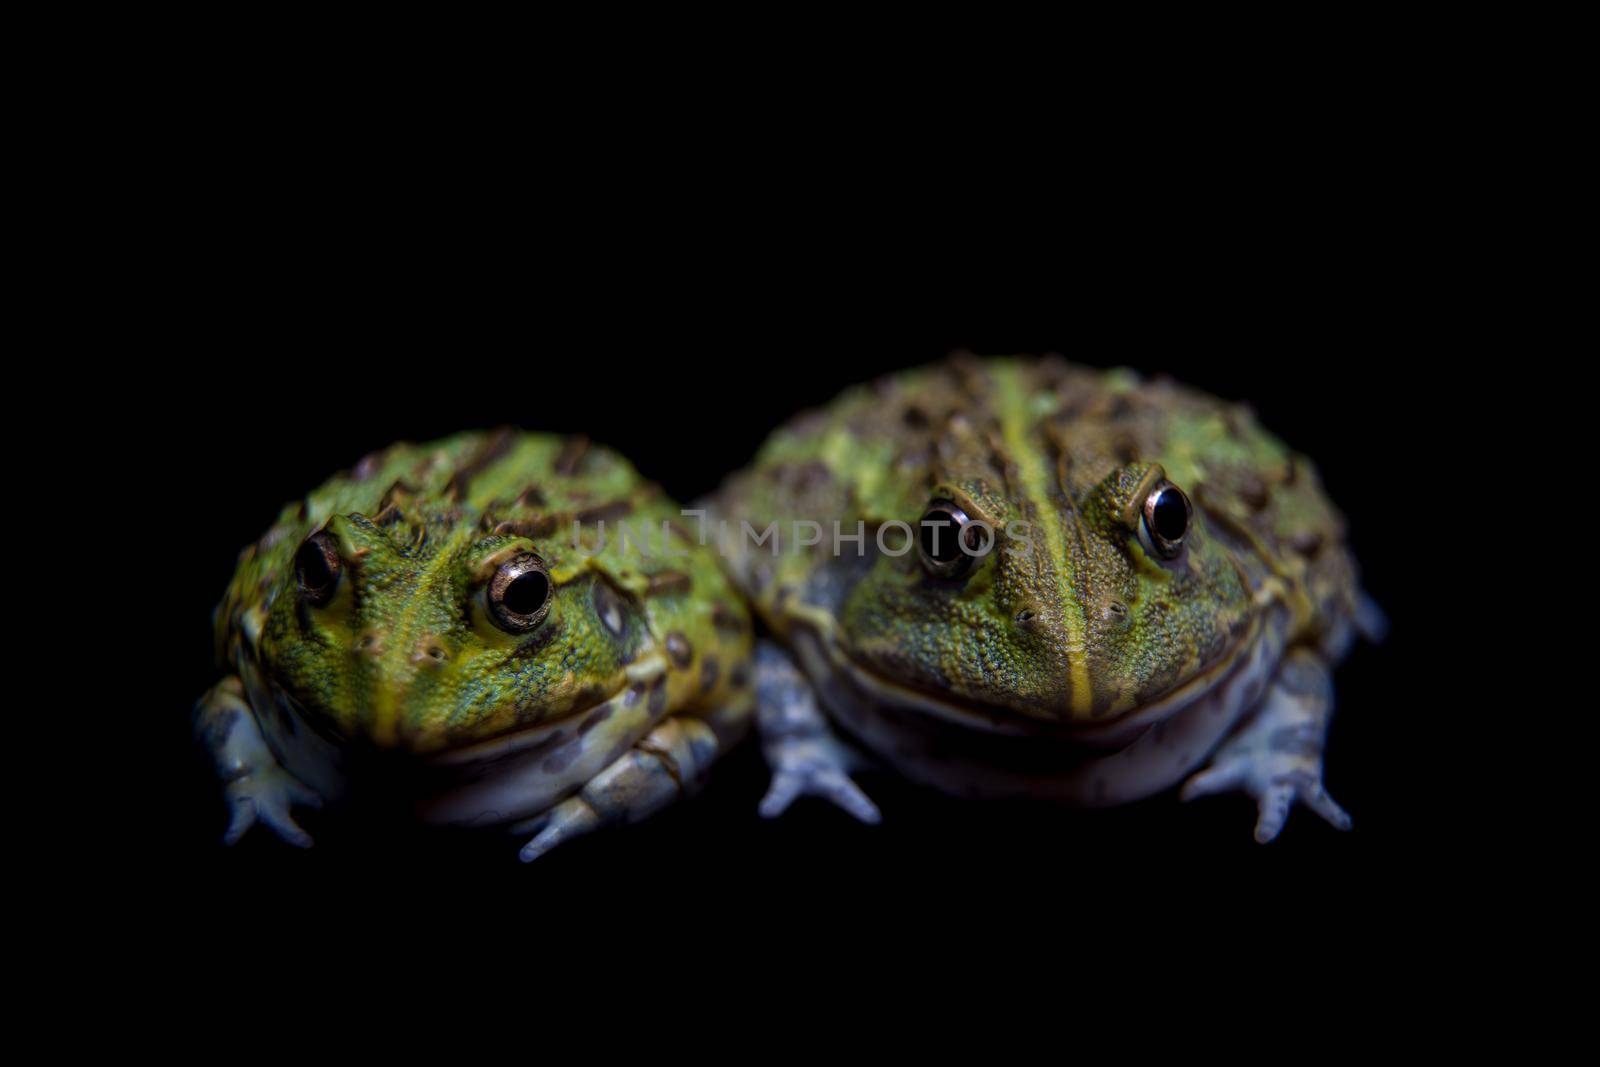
(256, 787)
(801, 748)
(1275, 754)
(670, 762)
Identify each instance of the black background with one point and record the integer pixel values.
(684, 359)
(302, 316)
(250, 274)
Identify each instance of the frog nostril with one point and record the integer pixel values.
(430, 651)
(368, 644)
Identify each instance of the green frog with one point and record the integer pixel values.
(506, 628)
(1026, 578)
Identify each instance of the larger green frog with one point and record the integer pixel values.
(459, 614)
(1028, 578)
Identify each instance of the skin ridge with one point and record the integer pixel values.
(1035, 490)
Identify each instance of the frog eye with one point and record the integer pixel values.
(948, 541)
(316, 568)
(519, 594)
(1166, 519)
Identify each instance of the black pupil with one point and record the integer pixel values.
(943, 526)
(1169, 517)
(525, 595)
(313, 565)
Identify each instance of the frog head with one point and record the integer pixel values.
(424, 631)
(1029, 587)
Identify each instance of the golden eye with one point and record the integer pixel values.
(317, 567)
(1167, 515)
(519, 594)
(948, 541)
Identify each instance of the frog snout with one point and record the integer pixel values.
(429, 651)
(405, 684)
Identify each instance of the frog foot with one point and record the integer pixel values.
(670, 762)
(266, 795)
(1275, 755)
(804, 754)
(256, 787)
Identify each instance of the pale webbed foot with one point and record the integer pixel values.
(256, 787)
(818, 780)
(1275, 755)
(669, 762)
(801, 749)
(1370, 621)
(266, 795)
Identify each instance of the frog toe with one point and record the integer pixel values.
(823, 781)
(268, 797)
(571, 818)
(1314, 796)
(241, 816)
(1217, 778)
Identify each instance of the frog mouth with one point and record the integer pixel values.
(640, 679)
(638, 682)
(822, 658)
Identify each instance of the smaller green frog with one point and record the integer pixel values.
(457, 620)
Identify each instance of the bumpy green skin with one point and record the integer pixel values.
(1088, 625)
(405, 654)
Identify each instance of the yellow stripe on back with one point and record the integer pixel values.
(1036, 485)
(386, 697)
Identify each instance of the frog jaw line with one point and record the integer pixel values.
(992, 719)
